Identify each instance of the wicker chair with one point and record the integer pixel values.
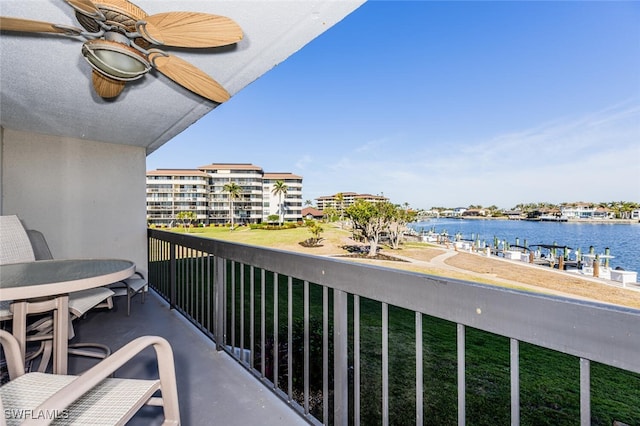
(91, 398)
(20, 245)
(80, 302)
(130, 287)
(15, 246)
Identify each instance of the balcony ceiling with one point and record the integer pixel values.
(46, 83)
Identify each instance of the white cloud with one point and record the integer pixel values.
(303, 162)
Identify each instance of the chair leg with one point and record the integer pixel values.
(47, 351)
(131, 292)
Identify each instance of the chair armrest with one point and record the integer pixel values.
(92, 377)
(15, 362)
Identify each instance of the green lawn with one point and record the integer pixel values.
(549, 380)
(266, 238)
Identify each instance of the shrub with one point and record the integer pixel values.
(312, 242)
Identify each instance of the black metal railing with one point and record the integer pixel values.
(346, 343)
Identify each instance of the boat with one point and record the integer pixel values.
(553, 218)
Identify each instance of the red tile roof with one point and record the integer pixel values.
(312, 211)
(281, 175)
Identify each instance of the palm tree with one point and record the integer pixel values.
(186, 217)
(234, 190)
(340, 200)
(280, 189)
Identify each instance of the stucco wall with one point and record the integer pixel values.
(88, 198)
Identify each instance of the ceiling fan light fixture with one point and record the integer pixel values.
(115, 59)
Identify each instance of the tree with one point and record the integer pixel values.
(315, 229)
(340, 204)
(308, 203)
(272, 218)
(371, 219)
(330, 214)
(494, 211)
(280, 189)
(186, 217)
(623, 209)
(398, 225)
(234, 190)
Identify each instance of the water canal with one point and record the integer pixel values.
(623, 240)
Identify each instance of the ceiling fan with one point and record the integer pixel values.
(120, 39)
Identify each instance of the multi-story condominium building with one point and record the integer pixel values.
(172, 191)
(248, 207)
(201, 190)
(348, 198)
(292, 201)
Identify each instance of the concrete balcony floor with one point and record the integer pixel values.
(212, 387)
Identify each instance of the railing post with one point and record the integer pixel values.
(585, 392)
(325, 355)
(356, 360)
(340, 365)
(306, 347)
(515, 381)
(419, 371)
(219, 301)
(276, 330)
(385, 364)
(172, 275)
(462, 404)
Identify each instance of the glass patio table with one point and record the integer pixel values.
(45, 285)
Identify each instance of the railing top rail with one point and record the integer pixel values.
(599, 332)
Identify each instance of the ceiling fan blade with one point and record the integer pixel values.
(188, 76)
(190, 29)
(86, 7)
(29, 26)
(106, 87)
(124, 6)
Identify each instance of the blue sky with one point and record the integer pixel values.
(445, 104)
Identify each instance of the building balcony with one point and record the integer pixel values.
(358, 344)
(191, 182)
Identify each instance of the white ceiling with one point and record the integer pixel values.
(45, 84)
